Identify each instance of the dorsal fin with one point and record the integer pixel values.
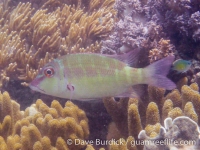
(129, 58)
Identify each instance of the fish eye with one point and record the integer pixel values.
(49, 72)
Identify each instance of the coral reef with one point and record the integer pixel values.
(35, 126)
(34, 33)
(150, 112)
(136, 28)
(157, 28)
(43, 127)
(40, 126)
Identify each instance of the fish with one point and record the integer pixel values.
(87, 76)
(181, 65)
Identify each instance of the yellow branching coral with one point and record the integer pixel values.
(175, 104)
(153, 130)
(127, 121)
(67, 123)
(190, 112)
(188, 94)
(152, 114)
(176, 112)
(118, 112)
(181, 103)
(181, 82)
(167, 107)
(156, 95)
(31, 37)
(40, 126)
(9, 114)
(134, 122)
(175, 96)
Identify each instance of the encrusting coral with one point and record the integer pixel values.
(157, 107)
(181, 133)
(34, 33)
(40, 126)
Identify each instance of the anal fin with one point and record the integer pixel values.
(132, 92)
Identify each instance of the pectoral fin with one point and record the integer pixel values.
(71, 88)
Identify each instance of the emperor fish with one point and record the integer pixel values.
(92, 76)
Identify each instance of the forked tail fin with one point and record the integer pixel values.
(156, 73)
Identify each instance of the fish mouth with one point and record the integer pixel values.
(36, 88)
